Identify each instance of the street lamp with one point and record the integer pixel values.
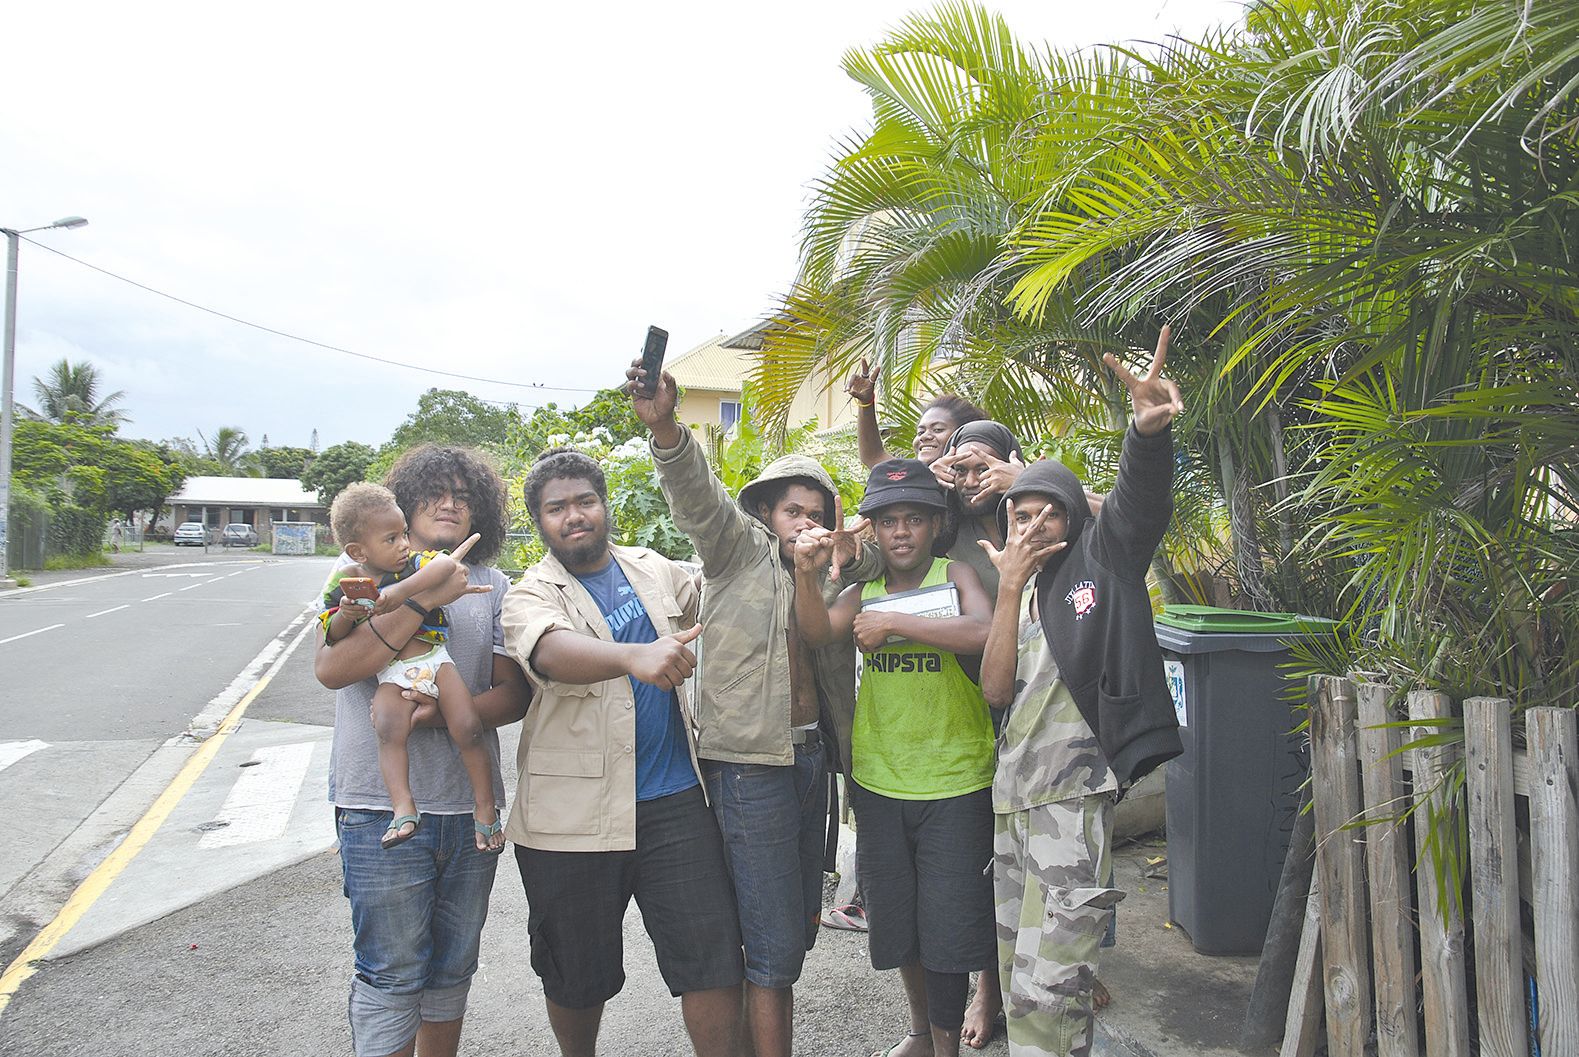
(13, 243)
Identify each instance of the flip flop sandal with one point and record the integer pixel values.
(392, 836)
(486, 830)
(850, 918)
(890, 1051)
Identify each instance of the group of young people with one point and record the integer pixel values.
(974, 653)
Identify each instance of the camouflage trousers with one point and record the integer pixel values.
(1050, 866)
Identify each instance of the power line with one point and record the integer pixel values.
(307, 341)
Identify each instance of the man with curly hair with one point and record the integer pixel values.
(417, 910)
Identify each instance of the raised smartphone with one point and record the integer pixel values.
(652, 356)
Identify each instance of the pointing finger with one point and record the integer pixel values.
(471, 541)
(838, 511)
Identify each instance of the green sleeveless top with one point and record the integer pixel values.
(922, 729)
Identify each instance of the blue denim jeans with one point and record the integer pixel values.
(417, 912)
(774, 823)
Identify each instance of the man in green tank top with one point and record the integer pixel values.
(921, 748)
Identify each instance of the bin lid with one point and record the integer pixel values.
(1211, 620)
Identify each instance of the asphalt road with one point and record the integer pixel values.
(103, 678)
(137, 655)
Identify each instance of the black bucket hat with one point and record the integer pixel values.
(895, 481)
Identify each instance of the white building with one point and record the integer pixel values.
(256, 501)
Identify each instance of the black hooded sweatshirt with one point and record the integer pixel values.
(1095, 608)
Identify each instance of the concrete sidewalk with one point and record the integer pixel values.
(1168, 1001)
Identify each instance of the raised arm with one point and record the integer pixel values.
(862, 388)
(1135, 514)
(719, 530)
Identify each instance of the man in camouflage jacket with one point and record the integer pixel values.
(1072, 654)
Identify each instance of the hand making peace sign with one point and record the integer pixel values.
(1155, 399)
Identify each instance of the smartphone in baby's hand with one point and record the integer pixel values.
(359, 590)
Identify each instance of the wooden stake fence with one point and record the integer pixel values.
(1358, 965)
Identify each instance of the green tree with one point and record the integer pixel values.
(89, 469)
(146, 490)
(39, 452)
(73, 391)
(336, 467)
(284, 462)
(224, 454)
(450, 416)
(139, 476)
(609, 409)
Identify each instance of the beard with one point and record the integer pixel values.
(584, 551)
(980, 505)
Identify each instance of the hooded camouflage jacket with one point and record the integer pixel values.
(1095, 608)
(743, 663)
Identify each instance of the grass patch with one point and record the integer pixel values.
(57, 562)
(21, 581)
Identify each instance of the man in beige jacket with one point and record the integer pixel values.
(609, 804)
(765, 701)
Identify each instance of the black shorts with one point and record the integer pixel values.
(926, 874)
(577, 902)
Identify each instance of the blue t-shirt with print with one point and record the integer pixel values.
(663, 763)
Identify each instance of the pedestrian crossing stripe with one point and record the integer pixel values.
(260, 803)
(12, 751)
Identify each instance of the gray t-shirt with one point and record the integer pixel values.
(438, 779)
(967, 549)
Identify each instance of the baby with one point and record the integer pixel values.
(370, 526)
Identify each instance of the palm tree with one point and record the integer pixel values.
(228, 448)
(1359, 217)
(1388, 188)
(907, 256)
(73, 391)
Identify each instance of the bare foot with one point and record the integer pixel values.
(981, 1016)
(1100, 996)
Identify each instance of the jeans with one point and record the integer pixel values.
(773, 819)
(417, 912)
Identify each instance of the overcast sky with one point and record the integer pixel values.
(506, 190)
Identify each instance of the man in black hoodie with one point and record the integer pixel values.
(1073, 655)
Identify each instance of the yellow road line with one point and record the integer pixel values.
(99, 881)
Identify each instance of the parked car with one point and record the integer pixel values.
(238, 534)
(191, 534)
